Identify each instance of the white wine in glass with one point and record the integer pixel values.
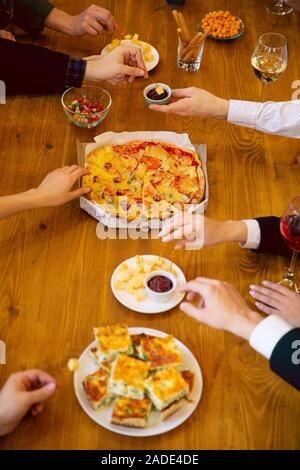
(270, 57)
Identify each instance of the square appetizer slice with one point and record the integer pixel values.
(96, 388)
(112, 340)
(188, 376)
(165, 387)
(128, 377)
(160, 352)
(130, 412)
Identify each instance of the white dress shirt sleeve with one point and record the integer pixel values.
(280, 118)
(253, 236)
(268, 333)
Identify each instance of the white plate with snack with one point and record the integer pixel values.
(127, 283)
(150, 54)
(138, 416)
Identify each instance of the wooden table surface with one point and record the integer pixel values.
(55, 273)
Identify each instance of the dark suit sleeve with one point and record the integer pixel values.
(285, 359)
(29, 69)
(271, 238)
(30, 15)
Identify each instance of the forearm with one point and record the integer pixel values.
(31, 15)
(15, 203)
(60, 21)
(279, 118)
(38, 65)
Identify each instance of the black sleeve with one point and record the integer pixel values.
(30, 15)
(285, 359)
(271, 238)
(29, 69)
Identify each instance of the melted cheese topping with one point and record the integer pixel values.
(113, 338)
(167, 385)
(161, 351)
(130, 408)
(131, 371)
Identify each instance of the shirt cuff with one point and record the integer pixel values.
(254, 235)
(75, 72)
(267, 334)
(243, 113)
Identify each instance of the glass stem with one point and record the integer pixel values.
(291, 269)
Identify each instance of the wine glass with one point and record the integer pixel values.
(290, 230)
(6, 12)
(270, 58)
(278, 7)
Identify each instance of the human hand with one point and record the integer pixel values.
(92, 21)
(276, 299)
(195, 102)
(24, 391)
(55, 189)
(121, 65)
(200, 231)
(7, 35)
(219, 305)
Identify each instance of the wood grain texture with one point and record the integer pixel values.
(55, 273)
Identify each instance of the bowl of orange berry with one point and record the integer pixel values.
(223, 25)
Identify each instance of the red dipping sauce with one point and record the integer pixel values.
(160, 283)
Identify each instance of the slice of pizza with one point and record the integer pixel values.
(111, 341)
(131, 412)
(160, 352)
(128, 377)
(166, 387)
(96, 389)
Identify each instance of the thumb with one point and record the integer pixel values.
(135, 71)
(192, 311)
(42, 394)
(78, 193)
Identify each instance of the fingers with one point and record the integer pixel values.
(182, 92)
(35, 376)
(265, 308)
(71, 168)
(131, 71)
(91, 31)
(267, 296)
(78, 193)
(198, 286)
(41, 394)
(170, 225)
(176, 108)
(134, 56)
(79, 172)
(37, 409)
(96, 26)
(106, 18)
(191, 310)
(278, 288)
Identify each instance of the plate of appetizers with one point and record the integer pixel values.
(150, 54)
(137, 381)
(148, 284)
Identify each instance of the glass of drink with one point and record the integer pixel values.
(278, 7)
(6, 12)
(290, 230)
(191, 60)
(270, 57)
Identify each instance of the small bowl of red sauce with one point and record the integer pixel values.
(151, 95)
(160, 286)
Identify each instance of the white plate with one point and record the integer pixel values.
(149, 65)
(147, 305)
(102, 417)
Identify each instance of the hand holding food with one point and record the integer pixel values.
(24, 391)
(195, 102)
(276, 299)
(219, 305)
(121, 66)
(132, 40)
(190, 228)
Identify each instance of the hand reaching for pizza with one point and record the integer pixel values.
(24, 391)
(195, 102)
(119, 66)
(200, 231)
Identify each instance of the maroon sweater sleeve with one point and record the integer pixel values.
(29, 69)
